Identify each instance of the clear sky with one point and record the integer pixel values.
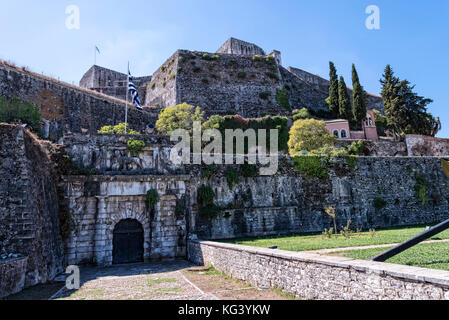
(413, 37)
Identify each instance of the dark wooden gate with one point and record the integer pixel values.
(127, 242)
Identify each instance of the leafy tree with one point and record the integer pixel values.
(181, 116)
(17, 111)
(405, 110)
(333, 90)
(344, 102)
(309, 134)
(359, 99)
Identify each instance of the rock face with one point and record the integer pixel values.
(239, 47)
(29, 205)
(66, 108)
(12, 276)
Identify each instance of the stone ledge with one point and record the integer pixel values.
(437, 277)
(126, 178)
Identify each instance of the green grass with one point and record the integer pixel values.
(151, 282)
(425, 255)
(316, 241)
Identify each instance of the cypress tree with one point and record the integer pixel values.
(333, 90)
(359, 99)
(344, 102)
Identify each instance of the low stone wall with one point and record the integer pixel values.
(12, 276)
(418, 145)
(313, 276)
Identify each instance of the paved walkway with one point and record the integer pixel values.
(174, 280)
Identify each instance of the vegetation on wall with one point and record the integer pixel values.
(17, 111)
(135, 146)
(206, 201)
(118, 129)
(301, 114)
(420, 189)
(282, 99)
(311, 166)
(359, 99)
(248, 170)
(379, 203)
(152, 198)
(344, 103)
(232, 177)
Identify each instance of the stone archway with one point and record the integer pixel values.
(128, 242)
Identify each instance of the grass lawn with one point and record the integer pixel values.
(426, 255)
(317, 241)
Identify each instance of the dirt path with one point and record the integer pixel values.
(174, 280)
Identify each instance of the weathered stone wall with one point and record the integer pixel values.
(312, 276)
(380, 148)
(29, 208)
(162, 89)
(98, 203)
(290, 202)
(239, 47)
(418, 145)
(66, 108)
(287, 201)
(12, 276)
(109, 154)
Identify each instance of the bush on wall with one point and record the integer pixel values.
(152, 198)
(135, 146)
(16, 111)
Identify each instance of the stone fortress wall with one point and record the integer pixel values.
(29, 207)
(67, 108)
(227, 82)
(112, 83)
(284, 203)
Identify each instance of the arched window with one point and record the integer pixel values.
(336, 133)
(343, 134)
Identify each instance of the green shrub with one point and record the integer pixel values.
(15, 110)
(301, 114)
(208, 172)
(135, 146)
(164, 83)
(270, 59)
(181, 116)
(282, 99)
(264, 95)
(172, 76)
(311, 166)
(352, 161)
(163, 68)
(232, 177)
(248, 170)
(118, 129)
(271, 75)
(153, 85)
(241, 75)
(257, 58)
(152, 198)
(210, 211)
(205, 195)
(379, 203)
(358, 148)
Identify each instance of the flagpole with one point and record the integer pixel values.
(126, 108)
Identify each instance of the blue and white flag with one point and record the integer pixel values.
(133, 90)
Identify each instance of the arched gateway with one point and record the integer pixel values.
(128, 242)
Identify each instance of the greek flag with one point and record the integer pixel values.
(133, 91)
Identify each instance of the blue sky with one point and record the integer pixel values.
(413, 37)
